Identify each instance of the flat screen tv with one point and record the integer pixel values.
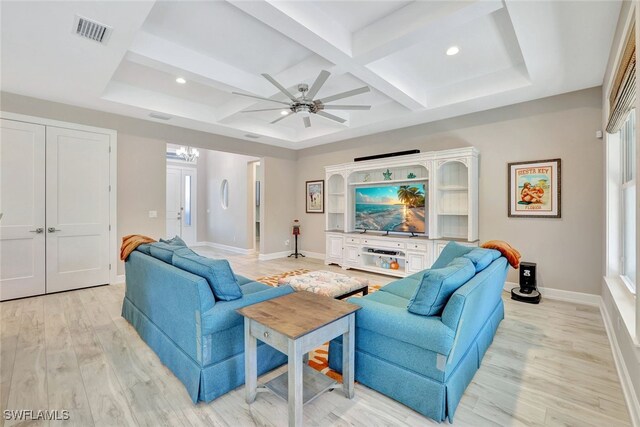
(396, 208)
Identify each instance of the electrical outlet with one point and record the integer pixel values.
(287, 242)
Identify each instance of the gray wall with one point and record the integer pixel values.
(225, 226)
(280, 191)
(142, 185)
(568, 250)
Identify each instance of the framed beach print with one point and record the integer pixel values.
(315, 196)
(534, 189)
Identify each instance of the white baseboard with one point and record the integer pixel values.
(227, 248)
(274, 255)
(562, 295)
(119, 279)
(630, 396)
(314, 255)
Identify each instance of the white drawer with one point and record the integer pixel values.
(416, 247)
(352, 240)
(374, 243)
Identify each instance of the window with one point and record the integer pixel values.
(628, 154)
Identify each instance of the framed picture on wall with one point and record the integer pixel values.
(535, 189)
(315, 196)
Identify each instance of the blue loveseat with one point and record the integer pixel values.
(200, 339)
(426, 362)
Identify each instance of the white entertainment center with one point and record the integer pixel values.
(450, 179)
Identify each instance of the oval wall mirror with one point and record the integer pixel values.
(224, 194)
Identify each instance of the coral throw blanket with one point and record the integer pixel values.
(509, 252)
(131, 242)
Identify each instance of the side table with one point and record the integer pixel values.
(296, 324)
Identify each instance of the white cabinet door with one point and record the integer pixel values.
(334, 248)
(22, 209)
(77, 209)
(351, 255)
(416, 261)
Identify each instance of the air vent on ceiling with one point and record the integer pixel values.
(92, 30)
(252, 136)
(159, 116)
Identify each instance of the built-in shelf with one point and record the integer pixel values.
(336, 212)
(453, 188)
(383, 255)
(454, 213)
(389, 181)
(336, 194)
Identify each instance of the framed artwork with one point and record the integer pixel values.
(315, 196)
(535, 189)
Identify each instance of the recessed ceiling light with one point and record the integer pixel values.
(453, 50)
(284, 112)
(181, 80)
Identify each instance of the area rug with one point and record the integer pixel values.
(318, 358)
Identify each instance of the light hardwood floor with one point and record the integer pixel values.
(549, 365)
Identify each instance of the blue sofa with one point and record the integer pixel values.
(199, 339)
(426, 362)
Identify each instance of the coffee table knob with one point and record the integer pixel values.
(266, 334)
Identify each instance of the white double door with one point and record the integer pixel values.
(181, 203)
(54, 202)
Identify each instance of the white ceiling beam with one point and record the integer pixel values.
(294, 21)
(414, 24)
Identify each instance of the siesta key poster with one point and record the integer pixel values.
(534, 189)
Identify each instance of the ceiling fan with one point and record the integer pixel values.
(305, 104)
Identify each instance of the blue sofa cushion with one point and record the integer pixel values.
(481, 258)
(174, 241)
(145, 248)
(405, 287)
(438, 285)
(449, 253)
(164, 251)
(217, 272)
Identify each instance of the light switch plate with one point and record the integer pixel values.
(153, 214)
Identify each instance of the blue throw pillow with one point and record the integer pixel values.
(163, 251)
(438, 285)
(174, 241)
(451, 251)
(481, 258)
(217, 272)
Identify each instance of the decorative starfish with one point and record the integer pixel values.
(387, 175)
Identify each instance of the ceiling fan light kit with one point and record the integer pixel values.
(305, 104)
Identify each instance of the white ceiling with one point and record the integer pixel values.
(510, 52)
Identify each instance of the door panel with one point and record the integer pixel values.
(77, 211)
(22, 204)
(174, 211)
(181, 203)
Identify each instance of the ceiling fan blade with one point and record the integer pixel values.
(259, 97)
(307, 122)
(346, 94)
(346, 107)
(331, 117)
(262, 109)
(322, 78)
(281, 118)
(279, 86)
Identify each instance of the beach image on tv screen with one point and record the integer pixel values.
(391, 208)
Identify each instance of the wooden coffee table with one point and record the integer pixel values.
(296, 324)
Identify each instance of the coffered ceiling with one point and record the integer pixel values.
(509, 52)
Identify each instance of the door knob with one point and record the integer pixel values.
(37, 230)
(52, 229)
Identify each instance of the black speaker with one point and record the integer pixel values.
(528, 290)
